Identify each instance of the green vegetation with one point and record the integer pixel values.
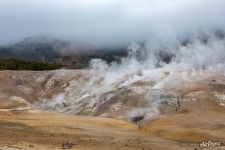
(28, 53)
(16, 64)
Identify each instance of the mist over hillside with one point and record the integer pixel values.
(58, 51)
(75, 32)
(75, 56)
(112, 74)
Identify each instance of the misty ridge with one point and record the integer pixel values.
(152, 33)
(203, 50)
(112, 74)
(58, 52)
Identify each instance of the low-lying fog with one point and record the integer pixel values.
(175, 35)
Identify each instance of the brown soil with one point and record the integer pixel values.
(201, 118)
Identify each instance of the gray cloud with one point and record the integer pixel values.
(111, 22)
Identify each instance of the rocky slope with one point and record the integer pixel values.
(148, 110)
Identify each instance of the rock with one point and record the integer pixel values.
(19, 101)
(13, 102)
(137, 119)
(31, 145)
(67, 145)
(16, 146)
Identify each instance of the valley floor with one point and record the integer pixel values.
(34, 129)
(200, 118)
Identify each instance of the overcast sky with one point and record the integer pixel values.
(109, 21)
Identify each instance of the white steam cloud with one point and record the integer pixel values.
(179, 47)
(146, 73)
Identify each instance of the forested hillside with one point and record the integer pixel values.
(45, 51)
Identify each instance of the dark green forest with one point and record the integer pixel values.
(36, 54)
(16, 64)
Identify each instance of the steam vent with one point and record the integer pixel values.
(112, 75)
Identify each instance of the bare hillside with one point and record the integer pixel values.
(167, 111)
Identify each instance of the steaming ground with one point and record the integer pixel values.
(167, 94)
(175, 96)
(141, 84)
(153, 119)
(74, 92)
(150, 81)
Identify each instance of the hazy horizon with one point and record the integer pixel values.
(111, 22)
